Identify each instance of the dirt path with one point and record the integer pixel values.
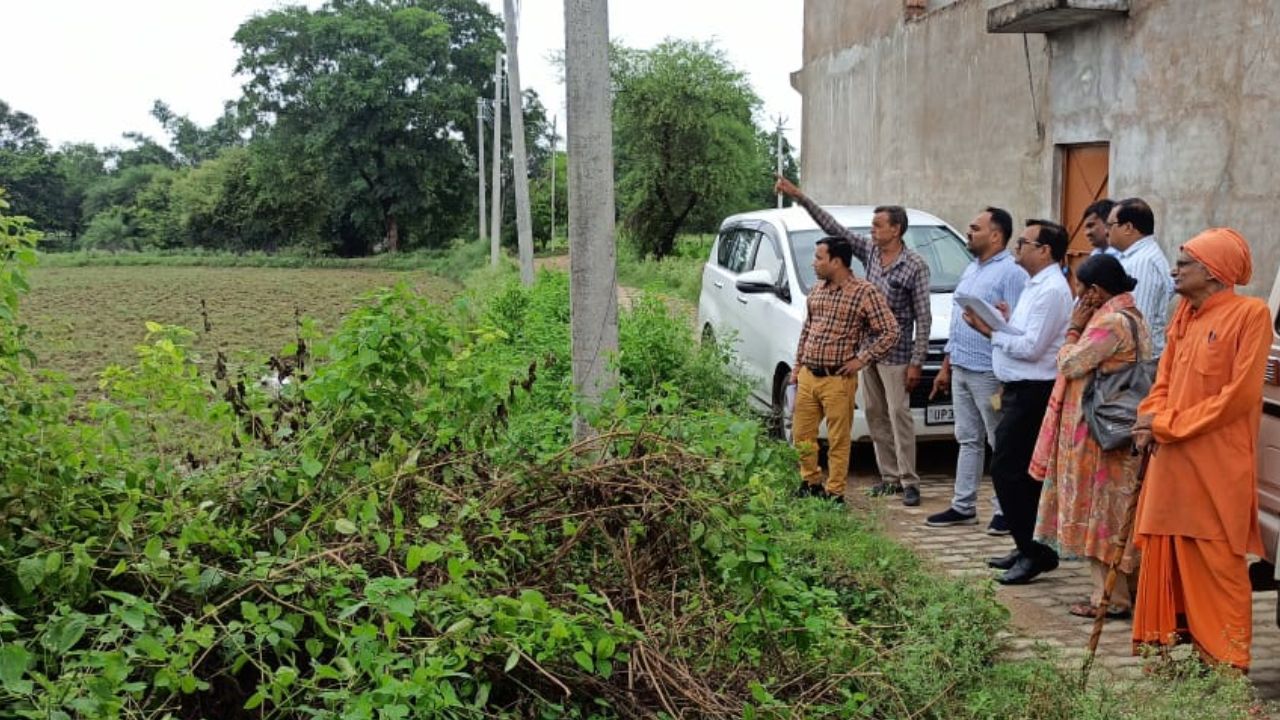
(627, 296)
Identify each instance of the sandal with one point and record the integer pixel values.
(1088, 610)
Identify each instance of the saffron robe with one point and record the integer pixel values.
(1200, 491)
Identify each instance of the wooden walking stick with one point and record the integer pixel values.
(1113, 567)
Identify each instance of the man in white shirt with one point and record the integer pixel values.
(1131, 229)
(1027, 364)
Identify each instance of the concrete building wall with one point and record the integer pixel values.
(934, 114)
(937, 113)
(1188, 94)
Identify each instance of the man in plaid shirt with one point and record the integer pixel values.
(848, 326)
(902, 275)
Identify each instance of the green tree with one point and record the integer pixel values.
(27, 169)
(384, 91)
(537, 148)
(80, 166)
(145, 151)
(687, 148)
(130, 210)
(192, 144)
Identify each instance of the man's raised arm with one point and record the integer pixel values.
(861, 244)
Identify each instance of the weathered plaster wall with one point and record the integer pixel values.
(934, 114)
(937, 114)
(1188, 94)
(832, 25)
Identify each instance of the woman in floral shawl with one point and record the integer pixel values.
(1087, 490)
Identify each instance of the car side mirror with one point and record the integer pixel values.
(755, 282)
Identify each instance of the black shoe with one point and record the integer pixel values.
(831, 497)
(911, 496)
(884, 488)
(950, 517)
(806, 490)
(998, 526)
(1004, 562)
(1026, 570)
(1048, 562)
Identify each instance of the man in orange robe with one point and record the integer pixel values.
(1198, 509)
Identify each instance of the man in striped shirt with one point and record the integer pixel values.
(1131, 230)
(847, 327)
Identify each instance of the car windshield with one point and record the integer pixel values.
(943, 251)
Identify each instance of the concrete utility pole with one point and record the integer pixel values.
(781, 124)
(480, 103)
(554, 162)
(495, 209)
(593, 280)
(519, 164)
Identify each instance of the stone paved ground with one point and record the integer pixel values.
(1039, 609)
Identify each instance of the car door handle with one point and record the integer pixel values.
(718, 284)
(742, 299)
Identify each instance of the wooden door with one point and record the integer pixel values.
(1084, 182)
(1085, 172)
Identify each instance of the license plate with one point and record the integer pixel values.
(939, 415)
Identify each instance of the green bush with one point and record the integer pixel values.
(109, 231)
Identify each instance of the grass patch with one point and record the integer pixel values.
(678, 275)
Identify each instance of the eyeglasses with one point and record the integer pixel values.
(1024, 241)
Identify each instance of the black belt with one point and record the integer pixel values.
(1013, 384)
(820, 371)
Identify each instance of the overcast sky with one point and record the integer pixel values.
(89, 70)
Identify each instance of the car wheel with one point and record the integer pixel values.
(779, 418)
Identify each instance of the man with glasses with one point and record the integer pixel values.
(1131, 228)
(903, 276)
(1025, 360)
(966, 372)
(1197, 514)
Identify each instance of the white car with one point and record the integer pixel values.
(753, 293)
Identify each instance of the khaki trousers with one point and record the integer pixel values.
(830, 397)
(893, 432)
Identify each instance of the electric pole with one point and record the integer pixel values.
(480, 105)
(554, 161)
(781, 124)
(495, 209)
(593, 279)
(519, 161)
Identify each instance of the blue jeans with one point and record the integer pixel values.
(976, 420)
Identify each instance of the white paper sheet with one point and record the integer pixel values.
(986, 312)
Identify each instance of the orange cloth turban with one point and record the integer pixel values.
(1224, 252)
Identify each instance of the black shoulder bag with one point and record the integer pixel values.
(1110, 402)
